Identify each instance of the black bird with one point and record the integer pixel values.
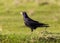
(32, 24)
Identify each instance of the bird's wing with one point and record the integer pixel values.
(31, 22)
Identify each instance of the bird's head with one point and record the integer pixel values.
(24, 14)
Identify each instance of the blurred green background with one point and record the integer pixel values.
(46, 11)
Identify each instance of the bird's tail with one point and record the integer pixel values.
(44, 25)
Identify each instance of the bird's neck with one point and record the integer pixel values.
(25, 16)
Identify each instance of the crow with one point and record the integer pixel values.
(32, 24)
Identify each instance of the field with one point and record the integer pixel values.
(13, 30)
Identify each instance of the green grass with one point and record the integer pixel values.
(12, 24)
(25, 38)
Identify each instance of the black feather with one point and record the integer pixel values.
(32, 24)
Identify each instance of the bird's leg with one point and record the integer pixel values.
(31, 31)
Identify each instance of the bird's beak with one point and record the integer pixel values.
(21, 13)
